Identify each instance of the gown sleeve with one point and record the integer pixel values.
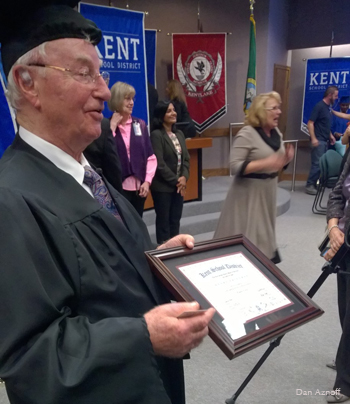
(49, 351)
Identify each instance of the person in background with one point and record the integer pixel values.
(134, 148)
(338, 222)
(102, 153)
(346, 136)
(339, 125)
(257, 156)
(319, 126)
(152, 102)
(84, 320)
(345, 139)
(177, 97)
(169, 183)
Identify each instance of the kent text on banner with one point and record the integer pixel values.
(320, 74)
(199, 63)
(122, 50)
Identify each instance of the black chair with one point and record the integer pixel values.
(329, 173)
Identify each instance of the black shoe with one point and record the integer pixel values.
(331, 365)
(310, 189)
(337, 397)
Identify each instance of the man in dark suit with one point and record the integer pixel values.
(84, 319)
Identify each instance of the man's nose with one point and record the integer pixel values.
(102, 91)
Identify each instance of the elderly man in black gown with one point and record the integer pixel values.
(83, 319)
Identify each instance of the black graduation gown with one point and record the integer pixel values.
(74, 286)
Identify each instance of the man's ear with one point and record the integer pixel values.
(26, 84)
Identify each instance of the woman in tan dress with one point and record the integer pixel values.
(256, 157)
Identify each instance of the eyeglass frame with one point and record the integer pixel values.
(63, 69)
(275, 108)
(128, 98)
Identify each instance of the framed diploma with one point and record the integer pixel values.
(254, 301)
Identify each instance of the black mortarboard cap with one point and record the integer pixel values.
(345, 99)
(25, 24)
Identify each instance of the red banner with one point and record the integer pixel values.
(199, 63)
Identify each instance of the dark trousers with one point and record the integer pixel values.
(135, 199)
(316, 153)
(168, 207)
(342, 380)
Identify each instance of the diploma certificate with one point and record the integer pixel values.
(236, 288)
(255, 301)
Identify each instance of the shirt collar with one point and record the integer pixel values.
(128, 122)
(58, 157)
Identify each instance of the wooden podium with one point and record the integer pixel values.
(194, 183)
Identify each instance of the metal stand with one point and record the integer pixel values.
(328, 268)
(294, 161)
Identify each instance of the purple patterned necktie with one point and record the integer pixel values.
(100, 191)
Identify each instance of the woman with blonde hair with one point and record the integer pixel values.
(137, 160)
(177, 97)
(256, 157)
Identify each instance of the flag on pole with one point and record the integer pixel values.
(250, 90)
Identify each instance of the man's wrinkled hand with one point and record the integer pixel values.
(174, 337)
(182, 240)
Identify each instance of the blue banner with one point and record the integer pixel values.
(151, 48)
(8, 124)
(320, 74)
(122, 50)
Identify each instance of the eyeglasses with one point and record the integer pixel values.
(275, 108)
(128, 98)
(81, 77)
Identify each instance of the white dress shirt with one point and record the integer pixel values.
(58, 157)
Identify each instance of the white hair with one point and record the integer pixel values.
(34, 56)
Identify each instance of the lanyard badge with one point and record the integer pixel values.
(137, 128)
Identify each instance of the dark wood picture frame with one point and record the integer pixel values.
(164, 265)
